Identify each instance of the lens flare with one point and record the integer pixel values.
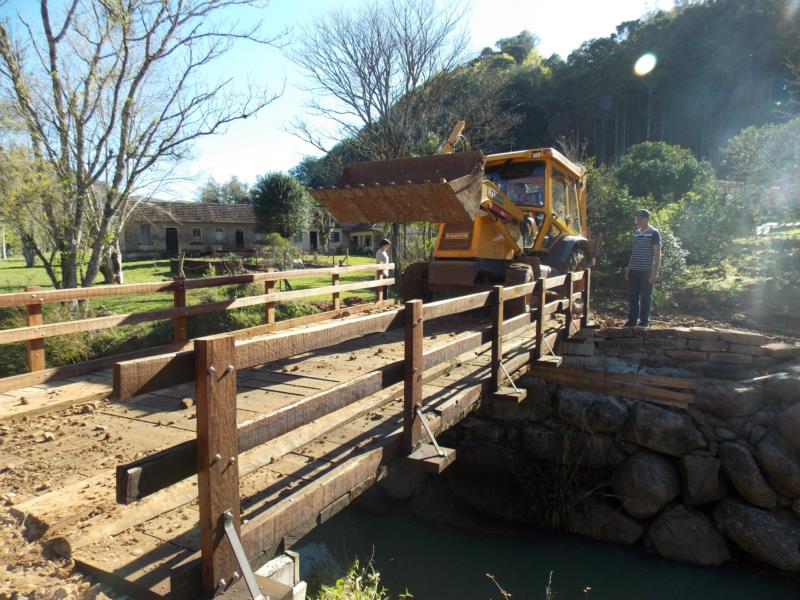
(645, 64)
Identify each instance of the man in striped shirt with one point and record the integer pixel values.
(642, 270)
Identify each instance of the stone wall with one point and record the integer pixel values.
(709, 484)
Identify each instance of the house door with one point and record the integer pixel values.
(312, 240)
(239, 239)
(172, 242)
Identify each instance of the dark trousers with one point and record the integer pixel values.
(640, 297)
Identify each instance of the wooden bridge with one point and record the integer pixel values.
(272, 430)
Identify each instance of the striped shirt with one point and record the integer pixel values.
(642, 256)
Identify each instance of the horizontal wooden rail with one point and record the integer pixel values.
(451, 306)
(166, 370)
(137, 289)
(21, 334)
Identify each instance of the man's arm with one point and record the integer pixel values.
(656, 262)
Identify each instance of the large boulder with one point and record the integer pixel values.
(773, 538)
(782, 387)
(742, 469)
(780, 464)
(594, 413)
(646, 483)
(682, 533)
(663, 430)
(788, 423)
(566, 446)
(702, 483)
(727, 399)
(601, 520)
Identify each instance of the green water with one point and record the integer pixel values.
(437, 562)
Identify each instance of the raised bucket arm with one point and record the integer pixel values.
(443, 188)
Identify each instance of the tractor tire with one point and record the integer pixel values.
(517, 273)
(576, 261)
(414, 284)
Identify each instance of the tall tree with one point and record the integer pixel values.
(281, 204)
(368, 69)
(112, 94)
(232, 191)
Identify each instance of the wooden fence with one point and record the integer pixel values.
(213, 365)
(35, 332)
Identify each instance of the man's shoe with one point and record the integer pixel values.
(644, 325)
(629, 325)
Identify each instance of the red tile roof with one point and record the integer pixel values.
(193, 212)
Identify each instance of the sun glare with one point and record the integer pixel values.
(645, 64)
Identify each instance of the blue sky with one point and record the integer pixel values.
(257, 146)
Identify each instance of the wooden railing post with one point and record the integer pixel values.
(569, 284)
(497, 335)
(35, 347)
(335, 281)
(412, 383)
(269, 307)
(541, 296)
(180, 331)
(217, 457)
(585, 295)
(379, 291)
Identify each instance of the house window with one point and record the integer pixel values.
(219, 236)
(197, 235)
(297, 238)
(335, 237)
(367, 241)
(144, 234)
(259, 237)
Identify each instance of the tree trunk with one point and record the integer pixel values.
(30, 256)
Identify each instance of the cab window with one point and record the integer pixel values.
(559, 183)
(573, 216)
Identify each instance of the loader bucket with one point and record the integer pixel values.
(444, 188)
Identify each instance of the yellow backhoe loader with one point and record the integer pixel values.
(503, 218)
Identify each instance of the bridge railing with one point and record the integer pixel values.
(213, 365)
(36, 331)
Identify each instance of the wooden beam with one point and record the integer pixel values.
(452, 306)
(497, 335)
(554, 282)
(540, 316)
(569, 308)
(269, 307)
(217, 458)
(180, 330)
(154, 373)
(586, 294)
(516, 291)
(412, 383)
(34, 347)
(335, 296)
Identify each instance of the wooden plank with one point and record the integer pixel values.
(380, 291)
(452, 306)
(497, 334)
(412, 382)
(554, 282)
(34, 347)
(628, 390)
(217, 458)
(516, 291)
(586, 294)
(20, 334)
(540, 301)
(61, 397)
(335, 295)
(179, 326)
(569, 308)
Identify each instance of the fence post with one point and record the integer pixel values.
(568, 316)
(541, 296)
(412, 383)
(497, 335)
(269, 307)
(380, 288)
(35, 347)
(217, 457)
(180, 331)
(335, 281)
(585, 295)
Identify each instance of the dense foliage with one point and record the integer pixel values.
(281, 204)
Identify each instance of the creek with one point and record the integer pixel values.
(439, 562)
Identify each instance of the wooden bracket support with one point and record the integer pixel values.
(427, 459)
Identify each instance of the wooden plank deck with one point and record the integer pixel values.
(136, 547)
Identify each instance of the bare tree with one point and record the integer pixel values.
(112, 93)
(372, 69)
